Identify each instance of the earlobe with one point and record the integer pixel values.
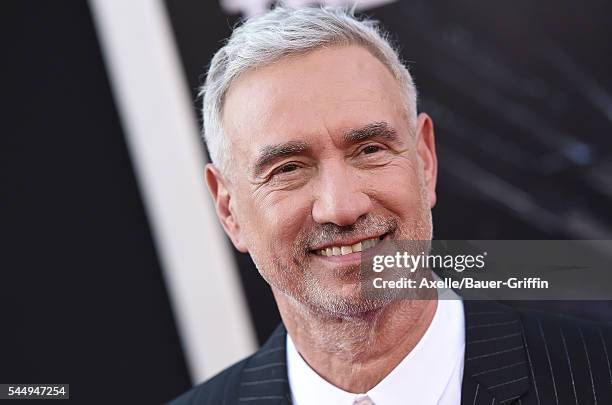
(427, 153)
(223, 206)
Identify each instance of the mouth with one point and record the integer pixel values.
(349, 249)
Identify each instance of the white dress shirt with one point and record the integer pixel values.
(430, 374)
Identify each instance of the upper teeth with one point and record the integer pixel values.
(345, 250)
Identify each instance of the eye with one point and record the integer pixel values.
(286, 168)
(370, 149)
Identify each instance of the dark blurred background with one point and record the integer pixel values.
(520, 93)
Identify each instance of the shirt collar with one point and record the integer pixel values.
(423, 375)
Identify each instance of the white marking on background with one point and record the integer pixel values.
(162, 135)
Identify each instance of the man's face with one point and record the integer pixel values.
(324, 161)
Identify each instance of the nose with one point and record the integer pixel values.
(340, 198)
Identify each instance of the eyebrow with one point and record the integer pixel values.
(377, 129)
(271, 153)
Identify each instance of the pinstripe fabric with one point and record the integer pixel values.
(511, 357)
(496, 366)
(259, 379)
(528, 358)
(264, 379)
(569, 360)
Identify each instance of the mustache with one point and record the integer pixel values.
(327, 233)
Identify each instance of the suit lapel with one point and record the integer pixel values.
(264, 376)
(496, 363)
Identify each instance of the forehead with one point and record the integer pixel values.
(322, 92)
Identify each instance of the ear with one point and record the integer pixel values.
(222, 199)
(426, 150)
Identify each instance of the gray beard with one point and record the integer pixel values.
(297, 282)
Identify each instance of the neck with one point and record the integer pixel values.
(356, 353)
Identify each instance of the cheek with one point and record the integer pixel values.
(282, 216)
(396, 186)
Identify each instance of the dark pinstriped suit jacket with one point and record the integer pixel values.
(511, 357)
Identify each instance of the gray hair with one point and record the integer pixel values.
(284, 32)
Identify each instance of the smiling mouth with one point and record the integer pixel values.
(341, 250)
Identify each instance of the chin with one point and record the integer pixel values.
(345, 306)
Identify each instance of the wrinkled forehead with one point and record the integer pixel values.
(319, 94)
